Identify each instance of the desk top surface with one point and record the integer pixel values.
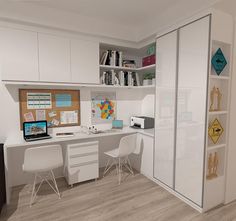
(16, 139)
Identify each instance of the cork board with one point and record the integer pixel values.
(61, 108)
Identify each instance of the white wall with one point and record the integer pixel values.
(129, 103)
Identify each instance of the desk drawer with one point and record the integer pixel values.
(83, 172)
(82, 148)
(80, 158)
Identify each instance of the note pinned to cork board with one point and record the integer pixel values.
(60, 108)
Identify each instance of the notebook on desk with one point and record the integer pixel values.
(35, 130)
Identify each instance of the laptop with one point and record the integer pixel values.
(35, 130)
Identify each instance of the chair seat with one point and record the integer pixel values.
(41, 167)
(113, 153)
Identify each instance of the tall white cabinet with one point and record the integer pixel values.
(181, 99)
(193, 54)
(184, 81)
(166, 79)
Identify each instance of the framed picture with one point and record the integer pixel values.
(103, 108)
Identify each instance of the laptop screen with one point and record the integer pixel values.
(35, 128)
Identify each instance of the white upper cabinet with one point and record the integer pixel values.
(18, 55)
(84, 61)
(54, 58)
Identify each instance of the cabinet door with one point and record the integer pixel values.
(142, 158)
(54, 58)
(147, 156)
(85, 62)
(191, 109)
(165, 108)
(18, 55)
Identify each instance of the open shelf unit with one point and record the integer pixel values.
(138, 72)
(146, 68)
(214, 187)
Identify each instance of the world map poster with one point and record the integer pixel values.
(103, 107)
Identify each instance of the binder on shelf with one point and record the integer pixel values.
(112, 58)
(108, 60)
(120, 58)
(136, 79)
(130, 79)
(121, 76)
(113, 74)
(104, 58)
(102, 79)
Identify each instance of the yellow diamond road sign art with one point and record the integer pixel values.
(215, 131)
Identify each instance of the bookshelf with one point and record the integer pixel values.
(108, 67)
(123, 66)
(214, 186)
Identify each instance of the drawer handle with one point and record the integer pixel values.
(83, 155)
(84, 164)
(83, 145)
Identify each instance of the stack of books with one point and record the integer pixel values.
(122, 78)
(129, 63)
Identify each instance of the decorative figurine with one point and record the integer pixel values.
(212, 166)
(215, 163)
(215, 96)
(219, 97)
(212, 97)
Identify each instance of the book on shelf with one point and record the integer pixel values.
(112, 58)
(120, 58)
(121, 78)
(136, 79)
(103, 58)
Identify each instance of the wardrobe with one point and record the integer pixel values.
(184, 79)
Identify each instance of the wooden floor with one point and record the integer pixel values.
(136, 199)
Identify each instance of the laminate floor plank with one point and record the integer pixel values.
(136, 199)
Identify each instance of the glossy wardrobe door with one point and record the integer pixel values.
(191, 109)
(165, 108)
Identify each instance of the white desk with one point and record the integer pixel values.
(15, 146)
(16, 140)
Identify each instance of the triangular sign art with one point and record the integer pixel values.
(218, 61)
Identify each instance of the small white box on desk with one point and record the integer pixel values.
(81, 163)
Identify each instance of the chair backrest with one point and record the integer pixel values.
(127, 145)
(43, 157)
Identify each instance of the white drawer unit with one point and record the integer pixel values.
(81, 162)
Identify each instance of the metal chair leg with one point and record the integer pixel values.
(55, 183)
(119, 174)
(131, 169)
(105, 170)
(33, 190)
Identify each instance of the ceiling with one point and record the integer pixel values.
(228, 6)
(131, 20)
(126, 12)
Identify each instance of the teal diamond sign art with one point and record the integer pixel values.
(218, 61)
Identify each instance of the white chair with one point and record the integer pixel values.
(120, 155)
(41, 161)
